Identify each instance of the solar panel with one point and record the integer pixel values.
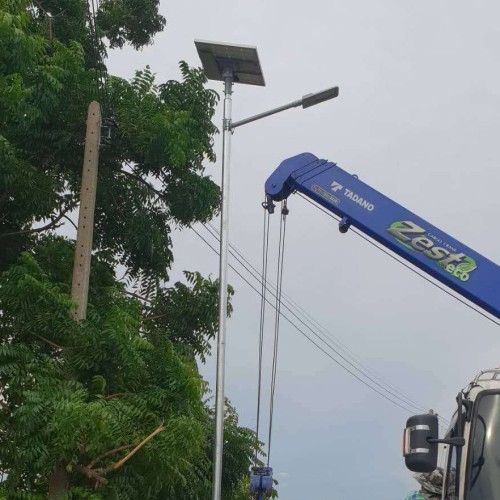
(243, 60)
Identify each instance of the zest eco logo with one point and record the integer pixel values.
(417, 239)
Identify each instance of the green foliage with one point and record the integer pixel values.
(188, 313)
(150, 177)
(73, 392)
(112, 407)
(133, 21)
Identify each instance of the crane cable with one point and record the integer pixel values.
(293, 306)
(279, 282)
(348, 357)
(265, 249)
(402, 404)
(292, 310)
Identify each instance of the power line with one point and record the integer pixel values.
(437, 285)
(401, 404)
(360, 368)
(98, 53)
(321, 328)
(406, 400)
(304, 333)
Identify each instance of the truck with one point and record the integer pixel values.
(471, 465)
(471, 445)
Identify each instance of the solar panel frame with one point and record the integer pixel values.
(243, 60)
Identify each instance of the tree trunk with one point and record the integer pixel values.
(58, 483)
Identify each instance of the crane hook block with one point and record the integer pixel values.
(261, 481)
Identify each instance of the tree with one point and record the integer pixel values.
(84, 397)
(164, 135)
(113, 407)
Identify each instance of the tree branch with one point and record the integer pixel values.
(108, 454)
(138, 178)
(127, 457)
(69, 220)
(53, 344)
(51, 225)
(117, 395)
(158, 316)
(91, 474)
(39, 5)
(132, 294)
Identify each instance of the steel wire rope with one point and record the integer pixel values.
(437, 285)
(302, 332)
(279, 281)
(265, 249)
(407, 401)
(322, 329)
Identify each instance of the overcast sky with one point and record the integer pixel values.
(417, 118)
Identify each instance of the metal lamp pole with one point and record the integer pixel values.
(230, 64)
(221, 337)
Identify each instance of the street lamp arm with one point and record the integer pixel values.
(306, 101)
(294, 104)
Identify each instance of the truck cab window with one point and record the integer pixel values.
(483, 479)
(451, 473)
(451, 463)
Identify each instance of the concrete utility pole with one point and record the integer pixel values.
(83, 248)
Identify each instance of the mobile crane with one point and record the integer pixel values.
(472, 466)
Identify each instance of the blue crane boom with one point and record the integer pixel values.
(414, 239)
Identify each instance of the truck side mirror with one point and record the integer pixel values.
(420, 454)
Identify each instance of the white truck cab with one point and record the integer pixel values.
(472, 442)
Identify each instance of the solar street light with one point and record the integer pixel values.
(234, 64)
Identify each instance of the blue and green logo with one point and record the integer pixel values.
(416, 238)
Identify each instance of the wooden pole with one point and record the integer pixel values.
(83, 248)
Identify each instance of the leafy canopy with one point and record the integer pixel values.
(151, 176)
(84, 395)
(113, 407)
